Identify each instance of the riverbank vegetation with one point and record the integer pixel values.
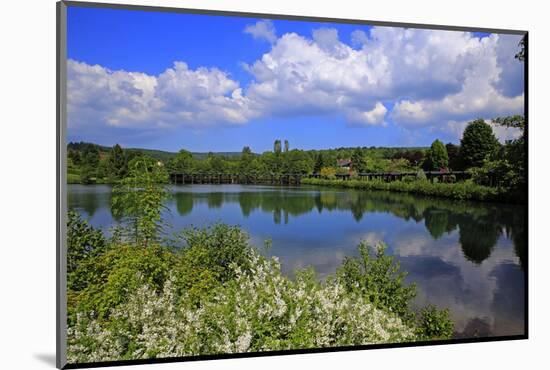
(218, 294)
(467, 190)
(139, 295)
(497, 169)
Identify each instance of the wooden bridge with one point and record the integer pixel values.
(295, 179)
(225, 178)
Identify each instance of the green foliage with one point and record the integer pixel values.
(246, 165)
(378, 278)
(455, 161)
(328, 172)
(83, 241)
(414, 157)
(358, 161)
(88, 175)
(219, 295)
(421, 175)
(478, 143)
(296, 162)
(112, 164)
(107, 280)
(514, 152)
(277, 147)
(437, 157)
(377, 165)
(466, 190)
(494, 173)
(207, 257)
(139, 197)
(117, 163)
(434, 323)
(181, 163)
(320, 162)
(507, 169)
(74, 156)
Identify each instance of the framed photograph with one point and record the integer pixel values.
(235, 184)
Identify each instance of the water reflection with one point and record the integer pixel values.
(184, 203)
(469, 257)
(479, 225)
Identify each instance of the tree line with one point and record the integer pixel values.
(478, 152)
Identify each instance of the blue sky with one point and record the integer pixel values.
(212, 83)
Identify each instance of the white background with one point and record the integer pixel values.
(28, 177)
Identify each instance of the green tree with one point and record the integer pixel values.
(277, 147)
(377, 276)
(216, 164)
(90, 156)
(182, 162)
(453, 151)
(90, 163)
(297, 162)
(83, 241)
(358, 161)
(74, 156)
(139, 197)
(477, 144)
(245, 162)
(117, 165)
(318, 162)
(437, 156)
(510, 168)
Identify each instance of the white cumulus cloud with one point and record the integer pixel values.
(411, 78)
(178, 96)
(262, 30)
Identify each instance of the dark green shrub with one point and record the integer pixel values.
(434, 324)
(83, 241)
(111, 276)
(377, 276)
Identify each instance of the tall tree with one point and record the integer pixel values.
(216, 164)
(139, 199)
(453, 151)
(358, 161)
(477, 144)
(182, 162)
(245, 161)
(277, 147)
(90, 155)
(117, 165)
(437, 157)
(320, 162)
(514, 151)
(297, 162)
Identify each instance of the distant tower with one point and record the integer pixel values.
(286, 145)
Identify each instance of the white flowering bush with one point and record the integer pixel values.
(220, 295)
(259, 310)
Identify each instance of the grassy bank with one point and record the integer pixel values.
(218, 294)
(466, 190)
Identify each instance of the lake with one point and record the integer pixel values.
(467, 256)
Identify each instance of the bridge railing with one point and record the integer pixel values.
(295, 178)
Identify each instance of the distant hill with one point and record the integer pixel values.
(160, 155)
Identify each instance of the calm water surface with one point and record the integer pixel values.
(468, 257)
